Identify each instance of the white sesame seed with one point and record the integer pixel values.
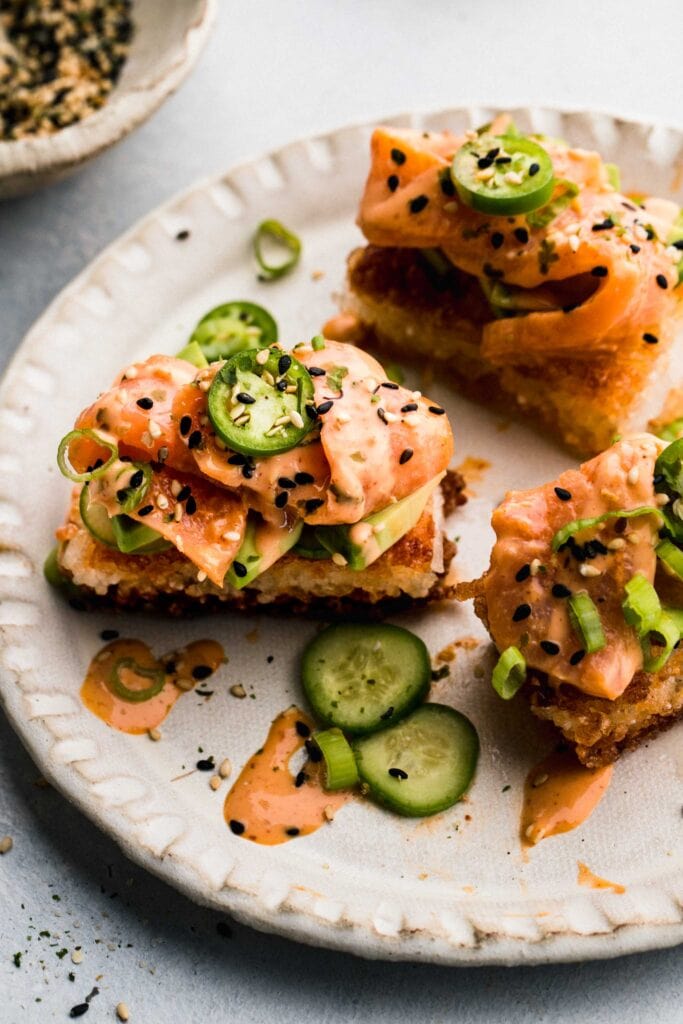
(146, 439)
(215, 782)
(268, 378)
(123, 396)
(241, 420)
(678, 507)
(451, 207)
(640, 232)
(471, 135)
(225, 768)
(122, 1012)
(162, 501)
(237, 411)
(176, 488)
(178, 513)
(154, 429)
(154, 734)
(617, 544)
(232, 535)
(513, 178)
(574, 242)
(296, 419)
(77, 956)
(370, 384)
(131, 372)
(485, 174)
(6, 844)
(589, 570)
(535, 566)
(291, 389)
(572, 229)
(201, 576)
(238, 691)
(339, 559)
(343, 417)
(633, 538)
(416, 395)
(262, 356)
(412, 419)
(221, 445)
(329, 812)
(540, 779)
(661, 499)
(203, 421)
(184, 684)
(204, 385)
(633, 474)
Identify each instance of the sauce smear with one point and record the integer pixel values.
(559, 795)
(183, 670)
(265, 805)
(586, 877)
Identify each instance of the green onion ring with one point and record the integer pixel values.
(509, 673)
(567, 531)
(340, 764)
(641, 606)
(65, 467)
(585, 620)
(668, 630)
(277, 231)
(136, 495)
(671, 556)
(135, 696)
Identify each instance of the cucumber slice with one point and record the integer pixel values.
(361, 678)
(96, 519)
(423, 764)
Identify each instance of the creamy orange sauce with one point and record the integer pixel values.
(473, 470)
(128, 716)
(586, 877)
(559, 795)
(265, 805)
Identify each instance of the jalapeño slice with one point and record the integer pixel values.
(260, 402)
(234, 327)
(503, 175)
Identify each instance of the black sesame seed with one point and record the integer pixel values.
(145, 403)
(563, 494)
(523, 573)
(200, 672)
(497, 239)
(599, 271)
(281, 385)
(418, 204)
(248, 470)
(190, 506)
(634, 248)
(312, 505)
(405, 456)
(392, 182)
(387, 714)
(437, 410)
(185, 424)
(293, 831)
(236, 826)
(182, 236)
(122, 495)
(483, 162)
(194, 440)
(109, 634)
(284, 481)
(237, 460)
(316, 371)
(662, 281)
(522, 611)
(522, 235)
(184, 493)
(207, 764)
(651, 339)
(559, 590)
(137, 478)
(446, 183)
(389, 384)
(398, 156)
(145, 510)
(397, 773)
(281, 499)
(240, 570)
(381, 413)
(311, 412)
(534, 169)
(603, 225)
(283, 364)
(245, 398)
(304, 478)
(549, 647)
(576, 657)
(324, 407)
(314, 752)
(302, 729)
(78, 1010)
(410, 407)
(300, 779)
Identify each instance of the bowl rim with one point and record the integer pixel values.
(33, 157)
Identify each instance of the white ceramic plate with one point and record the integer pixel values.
(455, 889)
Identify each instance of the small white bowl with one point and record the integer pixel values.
(168, 39)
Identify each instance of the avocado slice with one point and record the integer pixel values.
(262, 546)
(133, 538)
(192, 353)
(362, 543)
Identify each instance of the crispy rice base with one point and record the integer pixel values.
(413, 571)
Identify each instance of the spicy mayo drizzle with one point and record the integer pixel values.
(586, 877)
(265, 805)
(183, 669)
(559, 795)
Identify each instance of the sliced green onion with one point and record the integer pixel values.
(567, 531)
(192, 353)
(676, 616)
(614, 176)
(53, 574)
(585, 620)
(641, 606)
(667, 631)
(394, 373)
(130, 498)
(318, 343)
(670, 466)
(671, 556)
(672, 431)
(277, 232)
(135, 696)
(509, 673)
(340, 764)
(64, 463)
(542, 217)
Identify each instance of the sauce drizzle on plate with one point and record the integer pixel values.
(559, 795)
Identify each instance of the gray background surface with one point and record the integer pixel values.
(274, 71)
